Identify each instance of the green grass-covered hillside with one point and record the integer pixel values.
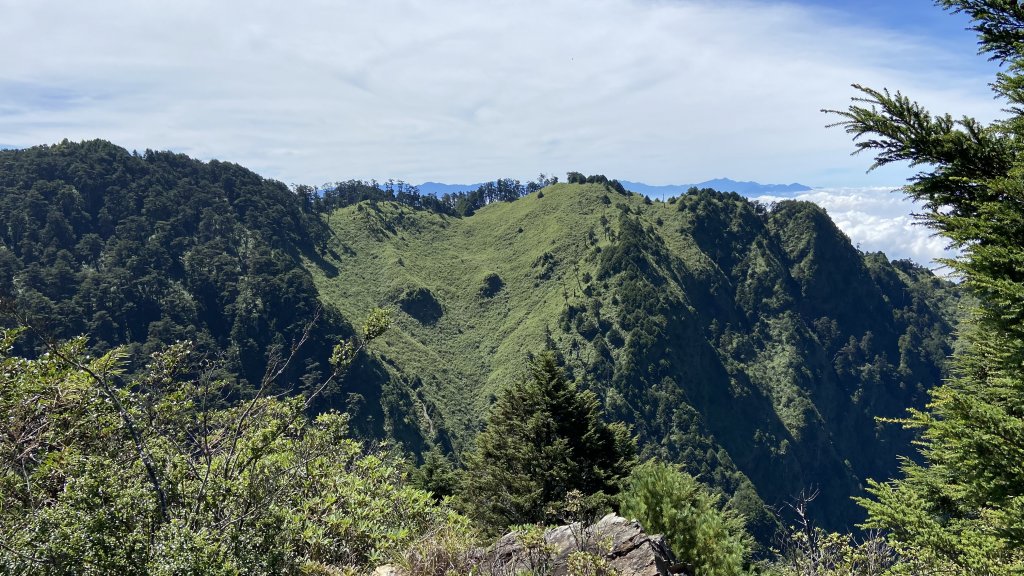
(754, 345)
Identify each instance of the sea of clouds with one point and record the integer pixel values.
(879, 219)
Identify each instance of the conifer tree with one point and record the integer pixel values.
(544, 438)
(962, 510)
(706, 537)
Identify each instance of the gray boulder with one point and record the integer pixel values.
(621, 543)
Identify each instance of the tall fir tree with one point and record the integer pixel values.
(544, 438)
(962, 510)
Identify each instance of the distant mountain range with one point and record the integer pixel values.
(440, 189)
(720, 184)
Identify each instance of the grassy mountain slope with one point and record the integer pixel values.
(389, 252)
(754, 346)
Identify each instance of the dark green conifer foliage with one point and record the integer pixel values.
(544, 438)
(436, 475)
(148, 250)
(708, 540)
(963, 510)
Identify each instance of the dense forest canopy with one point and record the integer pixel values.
(153, 248)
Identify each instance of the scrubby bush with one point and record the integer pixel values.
(167, 474)
(492, 284)
(421, 304)
(445, 549)
(820, 553)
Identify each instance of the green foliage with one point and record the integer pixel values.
(145, 250)
(420, 304)
(543, 439)
(446, 549)
(436, 474)
(721, 334)
(581, 563)
(539, 555)
(962, 509)
(159, 473)
(719, 337)
(819, 553)
(491, 285)
(708, 539)
(706, 334)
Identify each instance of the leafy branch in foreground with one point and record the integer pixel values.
(707, 538)
(254, 487)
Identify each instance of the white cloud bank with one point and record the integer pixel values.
(308, 91)
(879, 219)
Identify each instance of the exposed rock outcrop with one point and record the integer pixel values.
(613, 545)
(386, 570)
(621, 543)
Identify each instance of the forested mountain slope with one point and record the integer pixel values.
(751, 344)
(755, 345)
(146, 249)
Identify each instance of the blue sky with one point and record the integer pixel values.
(946, 31)
(655, 91)
(660, 91)
(911, 16)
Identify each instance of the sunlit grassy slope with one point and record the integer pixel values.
(739, 341)
(479, 342)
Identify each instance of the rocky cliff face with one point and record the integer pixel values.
(622, 543)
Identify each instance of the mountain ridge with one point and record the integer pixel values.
(752, 345)
(720, 184)
(747, 188)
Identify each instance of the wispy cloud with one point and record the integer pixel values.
(309, 91)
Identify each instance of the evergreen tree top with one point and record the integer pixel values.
(963, 510)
